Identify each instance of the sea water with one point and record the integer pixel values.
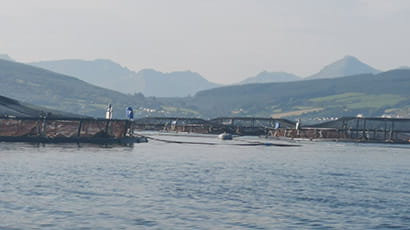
(159, 185)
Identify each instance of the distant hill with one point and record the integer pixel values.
(56, 91)
(368, 94)
(6, 57)
(346, 66)
(174, 84)
(45, 88)
(269, 77)
(111, 75)
(99, 72)
(371, 95)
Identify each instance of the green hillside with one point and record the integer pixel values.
(52, 90)
(371, 95)
(13, 108)
(368, 94)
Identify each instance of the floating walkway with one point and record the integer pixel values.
(350, 129)
(234, 125)
(105, 131)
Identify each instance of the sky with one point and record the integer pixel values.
(224, 40)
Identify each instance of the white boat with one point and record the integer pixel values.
(225, 136)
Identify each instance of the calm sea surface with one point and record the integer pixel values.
(184, 186)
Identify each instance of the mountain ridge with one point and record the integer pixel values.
(111, 75)
(368, 94)
(268, 77)
(346, 66)
(176, 84)
(48, 89)
(371, 94)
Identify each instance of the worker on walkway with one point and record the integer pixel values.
(129, 113)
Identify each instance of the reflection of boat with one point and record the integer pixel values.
(225, 136)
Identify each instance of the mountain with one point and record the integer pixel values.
(111, 75)
(174, 84)
(346, 66)
(6, 57)
(48, 89)
(369, 94)
(268, 77)
(100, 72)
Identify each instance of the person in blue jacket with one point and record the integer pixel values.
(129, 113)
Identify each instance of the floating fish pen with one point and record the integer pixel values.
(232, 125)
(70, 130)
(356, 129)
(250, 125)
(176, 124)
(353, 129)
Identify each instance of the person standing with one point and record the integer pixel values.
(108, 113)
(129, 113)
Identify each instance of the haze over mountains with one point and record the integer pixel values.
(346, 66)
(174, 84)
(101, 72)
(268, 77)
(6, 57)
(111, 75)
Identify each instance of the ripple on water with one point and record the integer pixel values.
(168, 186)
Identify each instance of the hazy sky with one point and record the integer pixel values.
(223, 40)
